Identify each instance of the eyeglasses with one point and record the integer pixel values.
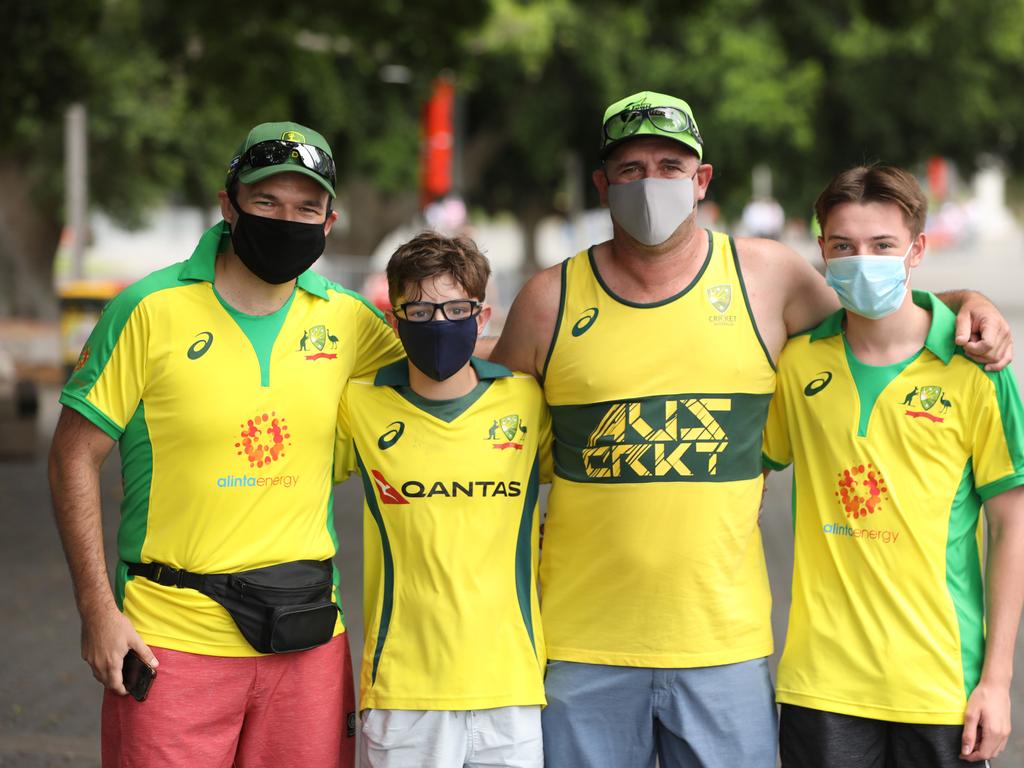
(423, 311)
(667, 119)
(279, 152)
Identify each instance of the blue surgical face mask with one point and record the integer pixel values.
(439, 348)
(870, 286)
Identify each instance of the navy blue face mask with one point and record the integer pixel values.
(438, 348)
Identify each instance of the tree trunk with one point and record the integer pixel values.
(29, 233)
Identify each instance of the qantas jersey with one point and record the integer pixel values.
(891, 467)
(226, 426)
(451, 536)
(652, 552)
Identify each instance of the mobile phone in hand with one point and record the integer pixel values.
(138, 676)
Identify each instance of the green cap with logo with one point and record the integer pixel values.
(639, 115)
(272, 148)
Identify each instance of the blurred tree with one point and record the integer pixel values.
(805, 86)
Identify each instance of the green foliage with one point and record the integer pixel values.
(806, 86)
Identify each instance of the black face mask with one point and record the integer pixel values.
(275, 250)
(439, 348)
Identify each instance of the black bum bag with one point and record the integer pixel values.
(278, 609)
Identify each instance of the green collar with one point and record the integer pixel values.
(940, 341)
(200, 266)
(397, 374)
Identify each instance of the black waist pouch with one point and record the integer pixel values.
(278, 609)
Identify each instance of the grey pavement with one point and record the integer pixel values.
(49, 703)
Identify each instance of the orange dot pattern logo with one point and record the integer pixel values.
(861, 490)
(263, 439)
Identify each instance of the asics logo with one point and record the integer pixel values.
(199, 347)
(586, 320)
(818, 383)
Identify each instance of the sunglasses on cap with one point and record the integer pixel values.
(279, 152)
(666, 119)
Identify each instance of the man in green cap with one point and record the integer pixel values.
(655, 597)
(219, 378)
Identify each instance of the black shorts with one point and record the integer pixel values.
(811, 738)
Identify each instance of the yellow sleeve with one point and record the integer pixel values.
(378, 344)
(998, 439)
(107, 385)
(344, 446)
(777, 450)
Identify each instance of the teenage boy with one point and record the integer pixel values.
(897, 440)
(451, 450)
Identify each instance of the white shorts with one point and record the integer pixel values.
(411, 738)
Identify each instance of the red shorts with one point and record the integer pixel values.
(290, 709)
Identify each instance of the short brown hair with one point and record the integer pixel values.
(429, 254)
(876, 183)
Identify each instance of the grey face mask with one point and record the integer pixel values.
(651, 209)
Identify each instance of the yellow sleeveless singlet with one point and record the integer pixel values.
(652, 555)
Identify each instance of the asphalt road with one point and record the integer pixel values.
(49, 703)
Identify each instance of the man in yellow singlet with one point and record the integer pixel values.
(657, 353)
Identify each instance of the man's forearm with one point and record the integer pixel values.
(76, 505)
(1005, 588)
(76, 456)
(954, 299)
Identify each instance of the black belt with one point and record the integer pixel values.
(166, 576)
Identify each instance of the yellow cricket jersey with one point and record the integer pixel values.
(652, 554)
(891, 465)
(226, 427)
(451, 536)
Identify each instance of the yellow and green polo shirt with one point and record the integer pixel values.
(652, 553)
(226, 428)
(450, 537)
(891, 467)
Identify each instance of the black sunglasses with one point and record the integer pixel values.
(279, 152)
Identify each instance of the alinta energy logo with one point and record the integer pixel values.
(262, 440)
(315, 339)
(507, 427)
(587, 319)
(928, 396)
(861, 491)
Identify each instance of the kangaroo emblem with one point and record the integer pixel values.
(909, 399)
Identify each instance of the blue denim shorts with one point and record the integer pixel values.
(602, 716)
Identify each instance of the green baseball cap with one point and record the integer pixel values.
(629, 117)
(272, 148)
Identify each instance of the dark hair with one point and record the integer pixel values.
(429, 254)
(876, 183)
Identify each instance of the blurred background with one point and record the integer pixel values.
(478, 116)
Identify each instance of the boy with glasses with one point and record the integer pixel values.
(899, 653)
(452, 450)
